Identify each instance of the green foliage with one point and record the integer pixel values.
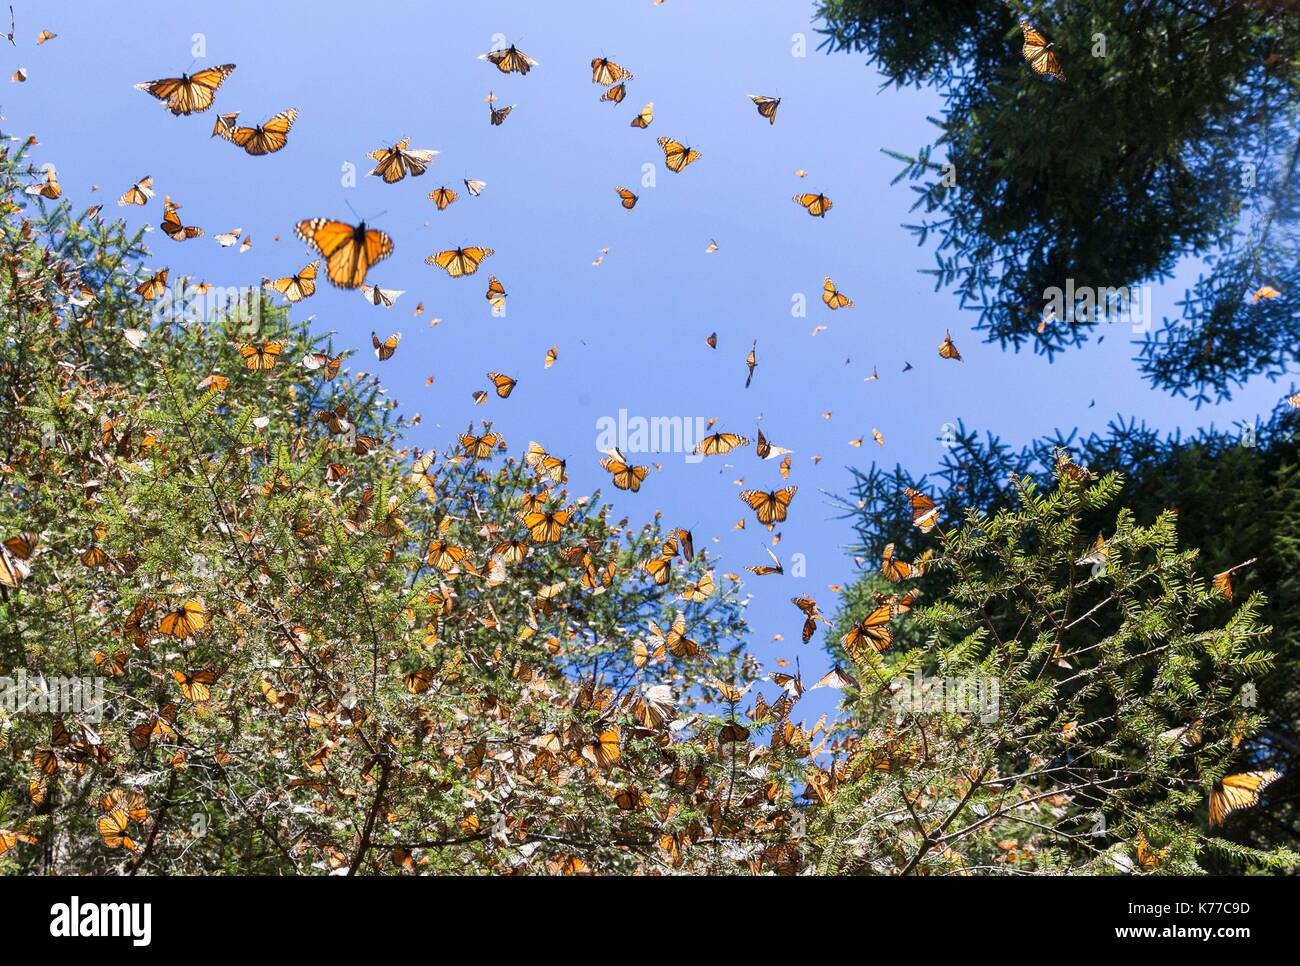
(1175, 134)
(1238, 502)
(372, 679)
(1062, 760)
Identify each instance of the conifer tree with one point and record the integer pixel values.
(1173, 134)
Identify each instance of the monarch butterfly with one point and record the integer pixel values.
(700, 590)
(552, 354)
(647, 115)
(496, 292)
(138, 194)
(598, 576)
(22, 546)
(479, 447)
(396, 162)
(874, 628)
(511, 551)
(133, 803)
(50, 187)
(924, 512)
(459, 261)
(474, 186)
(445, 556)
(1233, 792)
(677, 155)
(1264, 292)
(186, 621)
(771, 507)
(336, 419)
(733, 731)
(1096, 554)
(947, 350)
(766, 106)
(510, 60)
(260, 357)
(834, 298)
(764, 570)
(319, 360)
(605, 72)
(1149, 858)
(504, 384)
(811, 613)
(1188, 735)
(384, 350)
(299, 286)
(625, 477)
(546, 527)
(265, 138)
(442, 197)
(603, 750)
(14, 554)
(381, 296)
(817, 204)
(499, 114)
(628, 198)
(660, 568)
(615, 94)
(544, 463)
(417, 682)
(171, 223)
(224, 125)
(675, 641)
(113, 826)
(189, 93)
(766, 450)
(197, 686)
(10, 839)
(349, 251)
(1040, 54)
(896, 570)
(719, 443)
(112, 665)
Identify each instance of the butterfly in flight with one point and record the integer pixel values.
(947, 349)
(299, 286)
(1040, 53)
(510, 60)
(442, 197)
(138, 194)
(766, 106)
(817, 204)
(1233, 792)
(605, 72)
(629, 200)
(189, 93)
(262, 357)
(396, 162)
(265, 138)
(459, 261)
(349, 250)
(772, 507)
(171, 223)
(833, 297)
(677, 155)
(384, 350)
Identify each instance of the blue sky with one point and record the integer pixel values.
(630, 332)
